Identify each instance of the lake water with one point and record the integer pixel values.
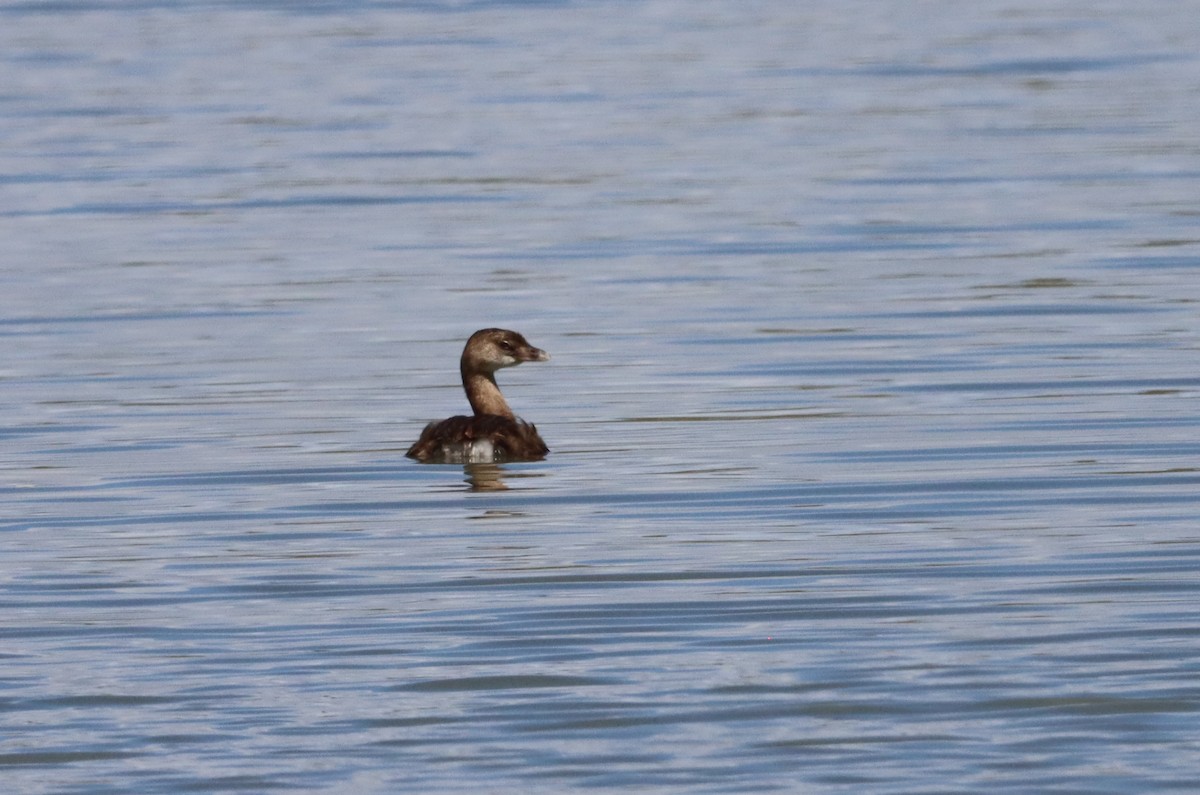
(873, 399)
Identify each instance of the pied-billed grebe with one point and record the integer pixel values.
(494, 433)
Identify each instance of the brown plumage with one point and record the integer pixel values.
(494, 433)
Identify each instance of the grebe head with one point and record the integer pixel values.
(491, 349)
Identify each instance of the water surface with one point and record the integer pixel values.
(872, 401)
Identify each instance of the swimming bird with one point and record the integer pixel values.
(493, 432)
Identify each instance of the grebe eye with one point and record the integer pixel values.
(506, 345)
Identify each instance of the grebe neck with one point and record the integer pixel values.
(484, 395)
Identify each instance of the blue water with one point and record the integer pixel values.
(872, 404)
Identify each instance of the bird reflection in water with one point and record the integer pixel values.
(485, 477)
(495, 477)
